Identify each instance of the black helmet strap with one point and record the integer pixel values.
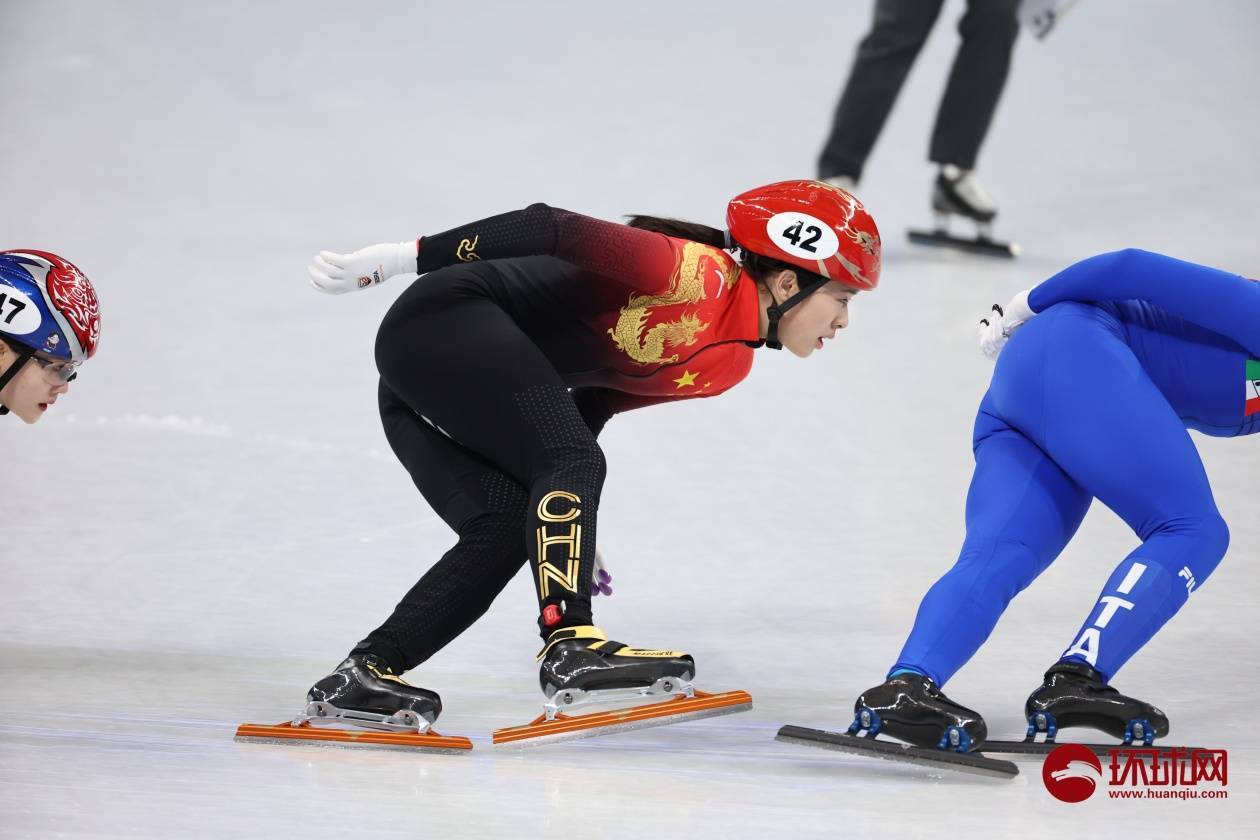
(24, 354)
(777, 310)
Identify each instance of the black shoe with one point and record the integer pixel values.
(1074, 694)
(910, 707)
(583, 658)
(364, 683)
(959, 192)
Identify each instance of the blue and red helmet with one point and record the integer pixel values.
(48, 305)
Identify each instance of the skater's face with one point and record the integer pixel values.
(36, 386)
(814, 320)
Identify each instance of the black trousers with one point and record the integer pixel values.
(496, 444)
(884, 57)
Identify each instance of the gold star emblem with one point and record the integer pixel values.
(688, 378)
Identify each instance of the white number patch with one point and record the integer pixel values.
(18, 315)
(802, 235)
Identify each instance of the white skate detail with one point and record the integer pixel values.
(1079, 770)
(319, 713)
(569, 699)
(1088, 642)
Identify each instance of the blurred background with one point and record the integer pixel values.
(211, 517)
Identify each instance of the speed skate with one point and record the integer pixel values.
(317, 725)
(958, 192)
(381, 709)
(581, 667)
(1074, 694)
(910, 707)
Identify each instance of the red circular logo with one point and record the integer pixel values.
(1072, 773)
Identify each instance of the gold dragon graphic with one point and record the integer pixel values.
(686, 285)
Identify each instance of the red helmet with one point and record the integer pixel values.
(818, 227)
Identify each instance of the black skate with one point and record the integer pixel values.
(959, 193)
(1074, 694)
(910, 707)
(364, 691)
(940, 733)
(580, 660)
(384, 712)
(581, 666)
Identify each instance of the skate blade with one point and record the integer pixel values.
(977, 245)
(568, 728)
(973, 763)
(1027, 747)
(287, 733)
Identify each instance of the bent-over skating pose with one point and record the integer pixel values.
(1115, 358)
(498, 369)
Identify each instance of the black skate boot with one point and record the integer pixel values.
(577, 661)
(580, 666)
(364, 691)
(910, 707)
(1074, 694)
(958, 192)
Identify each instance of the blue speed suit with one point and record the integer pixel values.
(1092, 398)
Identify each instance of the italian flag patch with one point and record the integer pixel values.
(1252, 405)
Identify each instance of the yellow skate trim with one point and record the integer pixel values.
(600, 638)
(585, 631)
(388, 675)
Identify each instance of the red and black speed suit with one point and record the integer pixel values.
(500, 367)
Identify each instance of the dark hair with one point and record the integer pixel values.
(756, 265)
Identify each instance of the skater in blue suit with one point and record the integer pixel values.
(1108, 364)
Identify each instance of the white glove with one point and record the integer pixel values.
(1001, 324)
(337, 274)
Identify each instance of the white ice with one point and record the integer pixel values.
(211, 517)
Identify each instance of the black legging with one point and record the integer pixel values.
(884, 56)
(495, 442)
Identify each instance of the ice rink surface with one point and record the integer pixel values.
(211, 517)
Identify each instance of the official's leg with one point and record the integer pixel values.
(988, 29)
(884, 58)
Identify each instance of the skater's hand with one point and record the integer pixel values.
(998, 327)
(337, 274)
(601, 578)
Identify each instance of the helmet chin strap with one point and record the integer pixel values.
(24, 355)
(777, 310)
